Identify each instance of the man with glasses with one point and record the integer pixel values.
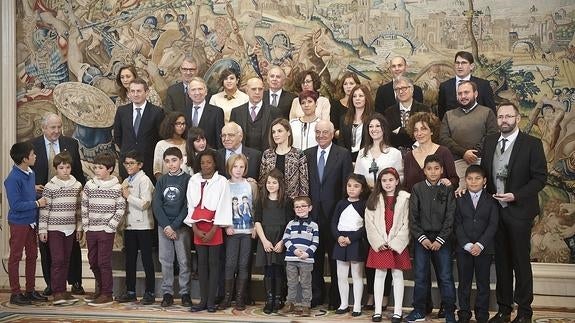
(463, 65)
(232, 136)
(463, 130)
(386, 95)
(398, 114)
(201, 114)
(517, 172)
(177, 93)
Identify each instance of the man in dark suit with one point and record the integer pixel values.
(255, 117)
(232, 136)
(276, 96)
(517, 171)
(398, 114)
(136, 127)
(52, 138)
(386, 95)
(328, 167)
(464, 65)
(203, 115)
(178, 93)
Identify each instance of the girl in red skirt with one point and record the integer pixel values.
(386, 224)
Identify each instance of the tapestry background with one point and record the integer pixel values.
(525, 48)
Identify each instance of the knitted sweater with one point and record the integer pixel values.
(139, 213)
(103, 205)
(21, 196)
(63, 201)
(301, 233)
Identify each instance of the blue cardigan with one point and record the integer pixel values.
(21, 195)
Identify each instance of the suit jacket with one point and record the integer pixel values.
(393, 116)
(527, 173)
(448, 95)
(146, 139)
(476, 224)
(327, 192)
(284, 102)
(345, 134)
(212, 122)
(385, 96)
(254, 159)
(176, 98)
(267, 114)
(41, 166)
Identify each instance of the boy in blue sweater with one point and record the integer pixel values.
(301, 238)
(22, 219)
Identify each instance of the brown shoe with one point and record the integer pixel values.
(298, 310)
(89, 297)
(71, 299)
(288, 308)
(305, 311)
(102, 300)
(59, 299)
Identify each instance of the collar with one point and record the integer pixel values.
(477, 194)
(201, 105)
(466, 111)
(257, 105)
(326, 149)
(457, 79)
(178, 173)
(236, 151)
(27, 172)
(142, 106)
(510, 138)
(429, 183)
(46, 141)
(278, 92)
(230, 97)
(405, 108)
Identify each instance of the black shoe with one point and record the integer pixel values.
(522, 319)
(199, 308)
(77, 289)
(316, 303)
(47, 291)
(20, 300)
(342, 310)
(376, 317)
(127, 297)
(396, 318)
(168, 300)
(441, 312)
(211, 309)
(36, 297)
(148, 299)
(428, 309)
(500, 318)
(355, 314)
(186, 300)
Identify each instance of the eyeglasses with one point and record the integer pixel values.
(189, 70)
(130, 163)
(402, 88)
(297, 207)
(307, 81)
(179, 124)
(507, 116)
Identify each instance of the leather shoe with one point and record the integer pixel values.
(77, 289)
(522, 319)
(342, 310)
(441, 312)
(36, 297)
(19, 299)
(355, 314)
(198, 308)
(500, 318)
(211, 309)
(47, 291)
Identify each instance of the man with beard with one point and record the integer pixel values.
(516, 168)
(463, 130)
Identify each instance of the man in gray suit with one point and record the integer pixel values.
(177, 93)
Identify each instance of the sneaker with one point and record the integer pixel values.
(415, 316)
(34, 296)
(148, 299)
(77, 289)
(102, 300)
(19, 299)
(71, 299)
(186, 300)
(288, 308)
(305, 311)
(127, 297)
(59, 299)
(91, 296)
(168, 300)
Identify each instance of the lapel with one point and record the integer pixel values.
(205, 116)
(468, 201)
(313, 160)
(490, 151)
(514, 152)
(330, 162)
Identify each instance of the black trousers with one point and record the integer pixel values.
(74, 270)
(467, 266)
(208, 272)
(326, 243)
(512, 256)
(135, 240)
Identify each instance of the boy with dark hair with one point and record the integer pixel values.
(431, 211)
(170, 210)
(59, 222)
(301, 239)
(22, 217)
(137, 189)
(476, 219)
(103, 207)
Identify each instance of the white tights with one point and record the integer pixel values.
(343, 284)
(378, 286)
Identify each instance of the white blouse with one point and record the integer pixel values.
(303, 133)
(322, 108)
(391, 157)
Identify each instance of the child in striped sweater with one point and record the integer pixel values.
(103, 208)
(301, 238)
(58, 223)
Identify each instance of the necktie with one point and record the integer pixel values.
(475, 199)
(503, 141)
(321, 165)
(138, 120)
(195, 116)
(185, 88)
(274, 100)
(404, 118)
(253, 113)
(51, 155)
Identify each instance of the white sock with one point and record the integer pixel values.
(378, 286)
(398, 286)
(357, 277)
(342, 283)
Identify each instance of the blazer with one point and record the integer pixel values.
(447, 99)
(284, 102)
(345, 135)
(527, 173)
(296, 171)
(176, 98)
(212, 122)
(327, 192)
(398, 237)
(476, 224)
(267, 114)
(393, 116)
(254, 159)
(40, 168)
(385, 96)
(146, 139)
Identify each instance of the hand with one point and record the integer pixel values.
(475, 250)
(426, 244)
(383, 247)
(445, 181)
(341, 241)
(43, 237)
(504, 197)
(42, 202)
(210, 234)
(230, 231)
(460, 191)
(470, 156)
(251, 180)
(125, 192)
(39, 189)
(298, 253)
(254, 234)
(268, 246)
(435, 246)
(303, 255)
(79, 235)
(278, 248)
(170, 233)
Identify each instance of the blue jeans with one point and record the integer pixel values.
(443, 269)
